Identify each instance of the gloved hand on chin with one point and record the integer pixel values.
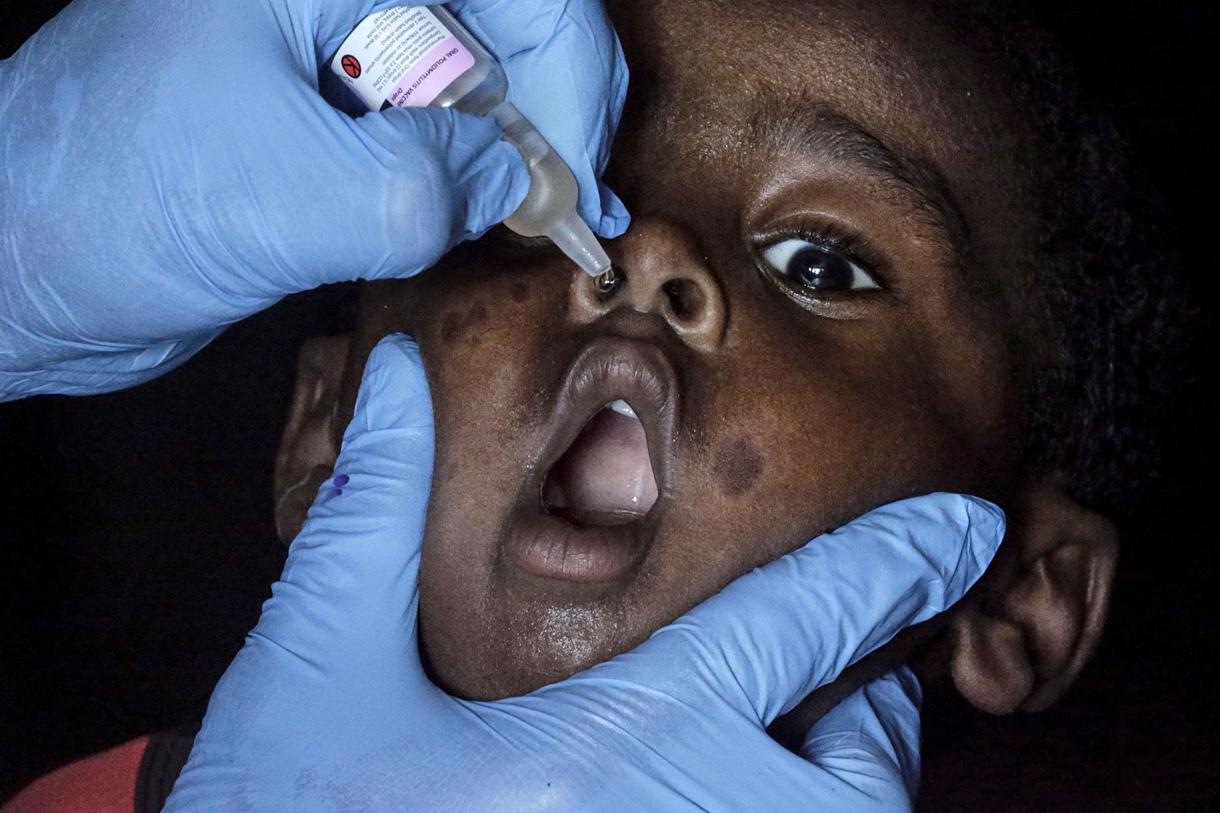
(327, 707)
(170, 168)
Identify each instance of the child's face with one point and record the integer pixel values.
(810, 328)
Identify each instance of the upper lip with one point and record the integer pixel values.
(609, 369)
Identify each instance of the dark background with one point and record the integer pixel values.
(136, 541)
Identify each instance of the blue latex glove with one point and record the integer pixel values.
(327, 706)
(170, 168)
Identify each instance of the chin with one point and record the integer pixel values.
(545, 643)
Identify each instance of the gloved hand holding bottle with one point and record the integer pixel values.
(170, 168)
(327, 707)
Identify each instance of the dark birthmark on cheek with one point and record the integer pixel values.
(737, 466)
(451, 325)
(477, 314)
(455, 327)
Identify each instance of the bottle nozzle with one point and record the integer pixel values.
(575, 239)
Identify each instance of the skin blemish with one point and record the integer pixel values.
(737, 467)
(477, 314)
(451, 326)
(454, 327)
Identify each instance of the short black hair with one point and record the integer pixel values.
(1104, 299)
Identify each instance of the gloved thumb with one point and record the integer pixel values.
(771, 637)
(349, 591)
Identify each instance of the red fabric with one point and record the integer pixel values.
(102, 783)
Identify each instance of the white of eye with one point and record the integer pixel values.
(817, 267)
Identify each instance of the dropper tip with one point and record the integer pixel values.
(575, 239)
(608, 282)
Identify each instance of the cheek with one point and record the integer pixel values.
(805, 442)
(462, 348)
(738, 464)
(481, 333)
(460, 324)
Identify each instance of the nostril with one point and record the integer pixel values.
(684, 298)
(608, 283)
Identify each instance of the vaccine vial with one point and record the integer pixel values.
(415, 56)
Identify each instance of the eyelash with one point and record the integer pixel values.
(830, 236)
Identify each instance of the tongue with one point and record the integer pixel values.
(605, 477)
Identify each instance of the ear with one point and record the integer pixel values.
(1041, 613)
(310, 442)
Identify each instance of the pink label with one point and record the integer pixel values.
(432, 74)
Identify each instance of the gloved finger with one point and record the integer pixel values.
(385, 195)
(772, 636)
(568, 76)
(349, 592)
(870, 741)
(615, 217)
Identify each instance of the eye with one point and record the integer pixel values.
(817, 268)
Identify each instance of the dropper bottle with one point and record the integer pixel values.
(416, 56)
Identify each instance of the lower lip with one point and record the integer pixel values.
(550, 547)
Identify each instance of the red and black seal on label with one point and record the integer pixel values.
(351, 66)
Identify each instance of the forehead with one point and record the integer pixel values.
(897, 58)
(715, 84)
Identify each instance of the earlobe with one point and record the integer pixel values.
(309, 443)
(1024, 645)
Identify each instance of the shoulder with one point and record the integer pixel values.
(135, 777)
(102, 783)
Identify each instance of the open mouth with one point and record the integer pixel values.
(602, 475)
(605, 477)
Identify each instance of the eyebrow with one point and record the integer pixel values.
(911, 182)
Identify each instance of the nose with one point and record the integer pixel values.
(663, 273)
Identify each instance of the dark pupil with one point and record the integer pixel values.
(820, 269)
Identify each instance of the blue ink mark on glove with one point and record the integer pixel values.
(337, 484)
